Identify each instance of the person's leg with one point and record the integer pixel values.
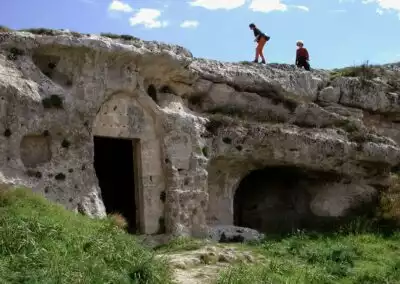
(257, 53)
(261, 45)
(302, 62)
(307, 65)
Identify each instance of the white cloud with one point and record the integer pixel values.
(189, 24)
(149, 18)
(218, 4)
(120, 6)
(389, 5)
(267, 6)
(304, 8)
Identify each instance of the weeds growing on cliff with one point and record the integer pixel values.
(43, 243)
(116, 36)
(4, 29)
(363, 71)
(40, 31)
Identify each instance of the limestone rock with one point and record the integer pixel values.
(178, 134)
(226, 234)
(335, 200)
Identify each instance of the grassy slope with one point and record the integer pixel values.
(342, 258)
(43, 243)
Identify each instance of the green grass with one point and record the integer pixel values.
(43, 243)
(181, 244)
(341, 258)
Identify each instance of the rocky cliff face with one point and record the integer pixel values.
(197, 144)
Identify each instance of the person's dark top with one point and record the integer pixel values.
(258, 34)
(302, 53)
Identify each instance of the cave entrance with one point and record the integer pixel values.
(273, 200)
(116, 169)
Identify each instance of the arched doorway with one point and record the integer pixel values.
(127, 161)
(272, 200)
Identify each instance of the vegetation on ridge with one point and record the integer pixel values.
(42, 242)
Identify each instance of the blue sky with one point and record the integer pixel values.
(336, 32)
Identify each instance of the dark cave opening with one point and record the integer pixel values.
(274, 200)
(114, 166)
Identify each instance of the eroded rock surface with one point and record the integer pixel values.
(197, 128)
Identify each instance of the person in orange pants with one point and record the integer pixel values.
(261, 40)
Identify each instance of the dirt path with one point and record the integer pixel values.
(202, 266)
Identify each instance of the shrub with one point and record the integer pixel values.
(14, 53)
(118, 221)
(54, 101)
(116, 36)
(40, 31)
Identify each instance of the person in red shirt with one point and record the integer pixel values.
(261, 40)
(302, 56)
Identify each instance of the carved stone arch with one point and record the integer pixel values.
(130, 117)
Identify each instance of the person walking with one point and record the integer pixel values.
(302, 56)
(261, 40)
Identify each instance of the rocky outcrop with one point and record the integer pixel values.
(196, 128)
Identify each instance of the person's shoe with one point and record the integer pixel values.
(255, 61)
(263, 62)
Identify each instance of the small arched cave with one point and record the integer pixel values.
(277, 199)
(35, 150)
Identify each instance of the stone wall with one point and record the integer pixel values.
(199, 126)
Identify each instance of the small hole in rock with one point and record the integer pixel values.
(166, 89)
(46, 190)
(205, 151)
(46, 133)
(51, 65)
(7, 133)
(239, 147)
(71, 170)
(152, 92)
(65, 143)
(83, 167)
(227, 140)
(166, 161)
(115, 108)
(60, 176)
(163, 196)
